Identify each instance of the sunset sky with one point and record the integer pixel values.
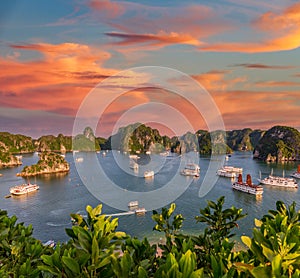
(245, 53)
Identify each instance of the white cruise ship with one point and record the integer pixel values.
(279, 181)
(23, 189)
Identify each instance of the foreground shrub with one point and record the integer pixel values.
(97, 249)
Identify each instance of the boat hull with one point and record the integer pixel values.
(254, 189)
(23, 189)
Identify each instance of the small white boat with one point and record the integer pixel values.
(191, 169)
(140, 211)
(23, 189)
(148, 174)
(50, 243)
(279, 181)
(248, 186)
(229, 171)
(297, 173)
(79, 159)
(226, 174)
(133, 204)
(134, 156)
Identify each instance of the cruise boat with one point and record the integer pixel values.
(148, 174)
(23, 189)
(296, 174)
(191, 169)
(229, 171)
(248, 186)
(279, 181)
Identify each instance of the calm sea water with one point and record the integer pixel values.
(48, 209)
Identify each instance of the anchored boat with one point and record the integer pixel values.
(279, 181)
(229, 171)
(248, 186)
(191, 169)
(23, 189)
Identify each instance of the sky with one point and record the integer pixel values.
(53, 54)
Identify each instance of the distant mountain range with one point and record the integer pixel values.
(280, 143)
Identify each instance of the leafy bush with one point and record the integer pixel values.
(97, 249)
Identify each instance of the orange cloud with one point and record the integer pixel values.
(57, 81)
(281, 32)
(216, 80)
(273, 84)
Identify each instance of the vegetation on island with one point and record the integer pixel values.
(48, 163)
(280, 143)
(140, 138)
(15, 143)
(97, 249)
(50, 143)
(86, 142)
(8, 160)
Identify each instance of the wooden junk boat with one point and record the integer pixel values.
(248, 186)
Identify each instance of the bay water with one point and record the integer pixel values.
(49, 208)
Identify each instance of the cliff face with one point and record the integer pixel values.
(49, 143)
(243, 140)
(137, 138)
(48, 163)
(86, 141)
(280, 143)
(9, 160)
(15, 143)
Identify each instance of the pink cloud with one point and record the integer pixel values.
(160, 39)
(63, 75)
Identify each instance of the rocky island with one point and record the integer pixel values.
(9, 160)
(278, 144)
(49, 163)
(11, 144)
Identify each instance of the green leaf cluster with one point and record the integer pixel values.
(97, 249)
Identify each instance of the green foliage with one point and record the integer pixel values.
(4, 157)
(51, 143)
(49, 162)
(15, 143)
(93, 246)
(82, 143)
(97, 249)
(281, 142)
(215, 252)
(165, 225)
(276, 243)
(19, 251)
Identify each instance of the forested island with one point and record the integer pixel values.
(278, 144)
(49, 163)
